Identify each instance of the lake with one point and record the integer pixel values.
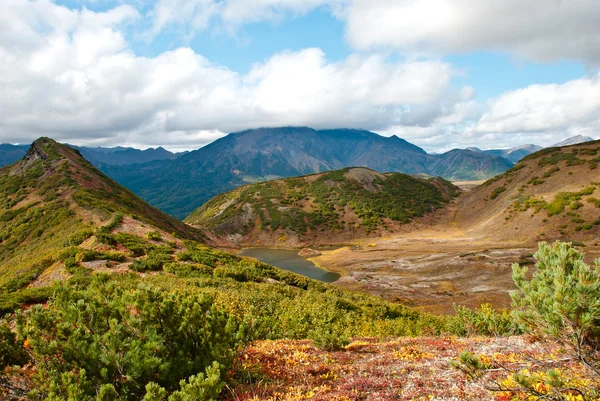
(287, 259)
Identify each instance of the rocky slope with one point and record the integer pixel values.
(321, 208)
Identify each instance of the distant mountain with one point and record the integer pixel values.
(574, 140)
(514, 154)
(124, 156)
(467, 165)
(11, 153)
(179, 186)
(323, 208)
(97, 156)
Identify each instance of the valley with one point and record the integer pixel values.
(462, 253)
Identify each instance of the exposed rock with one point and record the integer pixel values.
(35, 153)
(309, 253)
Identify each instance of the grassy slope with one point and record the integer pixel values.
(54, 198)
(337, 201)
(551, 194)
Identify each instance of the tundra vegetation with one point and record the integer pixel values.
(179, 334)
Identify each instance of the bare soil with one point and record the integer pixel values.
(436, 267)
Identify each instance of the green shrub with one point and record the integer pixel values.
(329, 339)
(496, 192)
(154, 236)
(154, 261)
(137, 245)
(484, 320)
(11, 347)
(103, 340)
(188, 269)
(558, 303)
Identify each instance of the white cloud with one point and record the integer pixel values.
(573, 107)
(74, 77)
(541, 30)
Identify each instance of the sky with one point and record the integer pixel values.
(179, 74)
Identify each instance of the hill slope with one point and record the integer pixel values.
(551, 194)
(180, 186)
(321, 208)
(53, 200)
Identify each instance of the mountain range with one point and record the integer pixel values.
(181, 185)
(178, 183)
(98, 156)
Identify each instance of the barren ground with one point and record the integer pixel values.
(436, 267)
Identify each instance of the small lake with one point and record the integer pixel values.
(288, 259)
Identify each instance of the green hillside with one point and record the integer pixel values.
(348, 199)
(53, 199)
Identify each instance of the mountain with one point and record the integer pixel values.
(321, 208)
(467, 165)
(124, 156)
(11, 153)
(97, 156)
(514, 154)
(54, 200)
(551, 194)
(179, 186)
(574, 140)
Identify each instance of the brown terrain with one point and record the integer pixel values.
(465, 256)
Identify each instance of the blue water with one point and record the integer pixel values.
(289, 260)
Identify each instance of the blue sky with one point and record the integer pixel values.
(179, 74)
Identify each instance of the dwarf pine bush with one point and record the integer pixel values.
(559, 302)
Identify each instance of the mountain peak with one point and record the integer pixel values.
(574, 140)
(36, 152)
(48, 149)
